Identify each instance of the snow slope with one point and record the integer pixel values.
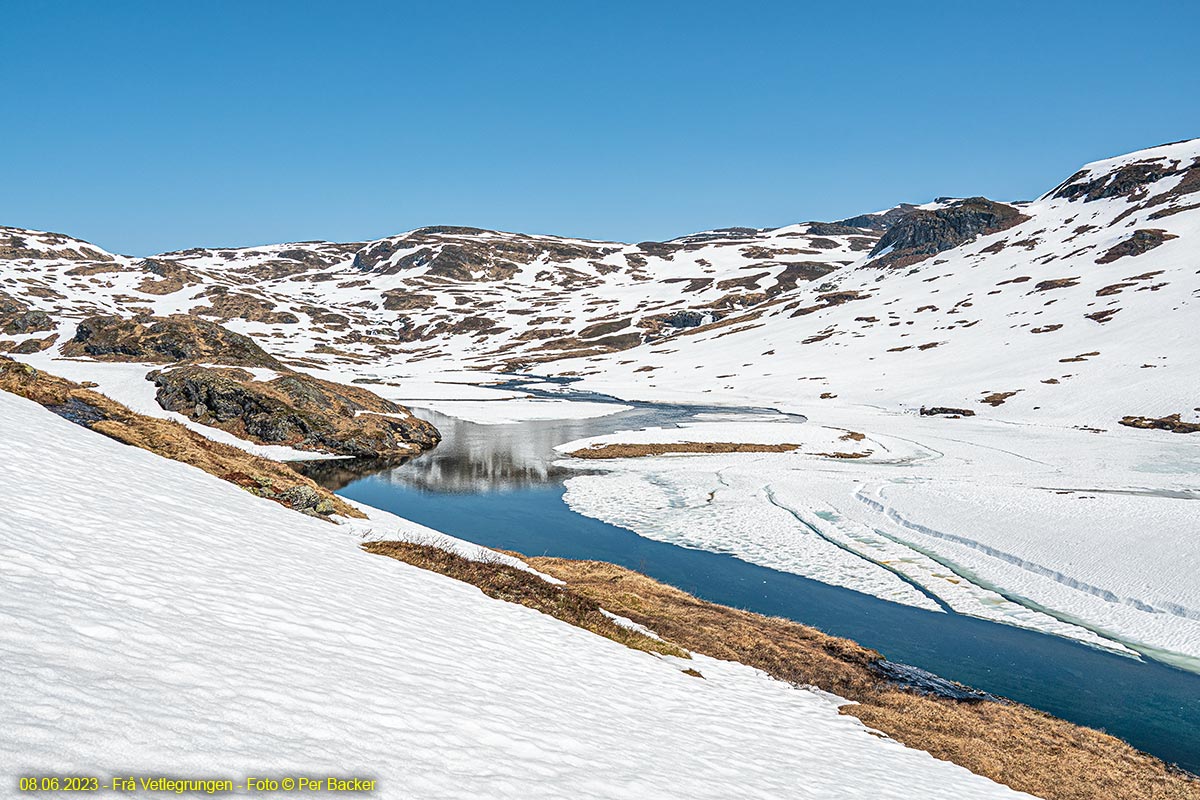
(158, 620)
(1079, 313)
(1064, 310)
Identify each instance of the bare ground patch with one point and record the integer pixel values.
(638, 450)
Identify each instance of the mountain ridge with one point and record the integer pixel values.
(484, 300)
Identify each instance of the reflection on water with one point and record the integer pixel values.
(494, 458)
(496, 485)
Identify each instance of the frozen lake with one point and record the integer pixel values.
(496, 485)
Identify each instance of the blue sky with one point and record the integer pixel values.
(152, 126)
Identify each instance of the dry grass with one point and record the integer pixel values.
(637, 450)
(1010, 743)
(505, 582)
(169, 439)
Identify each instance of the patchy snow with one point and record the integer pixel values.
(125, 382)
(158, 620)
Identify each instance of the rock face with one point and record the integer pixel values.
(923, 233)
(164, 339)
(294, 410)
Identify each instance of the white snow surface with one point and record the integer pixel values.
(1064, 531)
(501, 412)
(158, 620)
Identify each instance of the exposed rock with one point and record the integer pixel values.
(16, 317)
(834, 229)
(226, 305)
(1103, 316)
(828, 300)
(1172, 423)
(16, 244)
(946, 411)
(29, 322)
(260, 476)
(923, 233)
(402, 300)
(665, 324)
(1129, 180)
(30, 346)
(1055, 283)
(878, 222)
(1140, 242)
(469, 254)
(665, 250)
(998, 398)
(294, 410)
(164, 339)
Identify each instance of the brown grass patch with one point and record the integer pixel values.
(169, 439)
(1007, 742)
(638, 450)
(513, 585)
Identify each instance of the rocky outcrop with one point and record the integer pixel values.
(657, 325)
(226, 305)
(468, 254)
(294, 410)
(1140, 242)
(923, 233)
(165, 339)
(878, 222)
(259, 476)
(16, 243)
(1173, 423)
(1129, 181)
(16, 317)
(946, 411)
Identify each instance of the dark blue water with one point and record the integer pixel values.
(495, 485)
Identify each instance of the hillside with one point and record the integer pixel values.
(1033, 310)
(1076, 308)
(991, 396)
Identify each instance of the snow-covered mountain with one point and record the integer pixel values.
(1077, 307)
(1048, 322)
(1080, 307)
